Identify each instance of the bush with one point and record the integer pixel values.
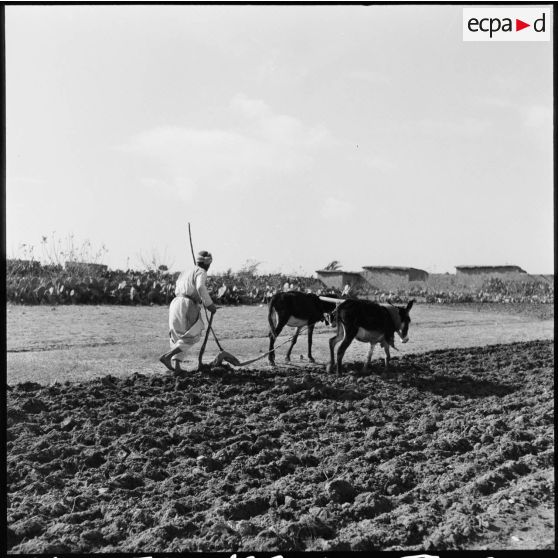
(28, 282)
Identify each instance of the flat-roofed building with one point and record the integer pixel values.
(487, 269)
(337, 279)
(390, 277)
(22, 265)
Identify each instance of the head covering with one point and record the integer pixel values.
(204, 257)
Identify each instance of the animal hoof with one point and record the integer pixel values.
(312, 360)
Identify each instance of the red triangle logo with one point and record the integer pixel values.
(519, 25)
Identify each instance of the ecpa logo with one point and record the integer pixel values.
(506, 24)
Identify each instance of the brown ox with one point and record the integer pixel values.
(296, 309)
(370, 323)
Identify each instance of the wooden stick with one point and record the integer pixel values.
(202, 350)
(204, 309)
(330, 299)
(191, 245)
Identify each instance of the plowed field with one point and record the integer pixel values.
(453, 449)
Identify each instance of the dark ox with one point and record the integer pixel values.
(369, 322)
(296, 309)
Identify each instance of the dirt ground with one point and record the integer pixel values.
(454, 449)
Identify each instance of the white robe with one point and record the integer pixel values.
(185, 321)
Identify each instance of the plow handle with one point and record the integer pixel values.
(202, 350)
(209, 326)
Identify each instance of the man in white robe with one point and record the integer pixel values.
(185, 322)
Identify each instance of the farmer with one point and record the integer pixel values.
(185, 322)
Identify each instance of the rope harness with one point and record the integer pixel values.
(280, 344)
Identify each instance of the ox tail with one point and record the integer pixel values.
(271, 319)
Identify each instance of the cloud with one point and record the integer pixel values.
(368, 76)
(279, 129)
(464, 127)
(531, 116)
(335, 209)
(26, 180)
(174, 187)
(377, 163)
(493, 102)
(537, 116)
(261, 144)
(254, 108)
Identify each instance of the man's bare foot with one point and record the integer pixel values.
(166, 360)
(177, 369)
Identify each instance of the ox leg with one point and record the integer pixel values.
(348, 338)
(273, 334)
(332, 342)
(293, 342)
(310, 331)
(366, 366)
(385, 345)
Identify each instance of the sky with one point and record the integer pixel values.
(285, 135)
